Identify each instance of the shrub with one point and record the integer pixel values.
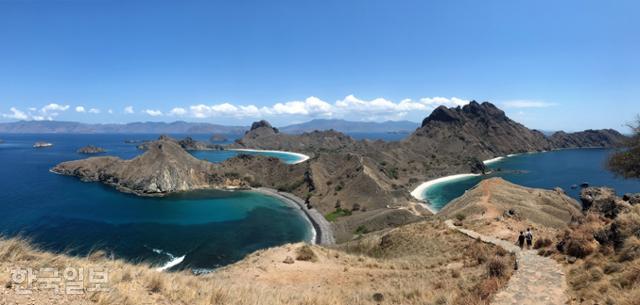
(361, 230)
(612, 268)
(305, 253)
(579, 248)
(631, 250)
(496, 268)
(460, 216)
(155, 283)
(542, 243)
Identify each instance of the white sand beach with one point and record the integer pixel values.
(301, 157)
(419, 191)
(494, 160)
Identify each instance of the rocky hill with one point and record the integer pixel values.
(263, 136)
(587, 138)
(475, 130)
(497, 197)
(163, 169)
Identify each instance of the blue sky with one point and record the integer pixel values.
(550, 64)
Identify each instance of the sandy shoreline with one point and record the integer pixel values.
(302, 157)
(419, 191)
(494, 160)
(321, 228)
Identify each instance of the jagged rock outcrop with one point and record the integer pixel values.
(90, 149)
(588, 138)
(263, 124)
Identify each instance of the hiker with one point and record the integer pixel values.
(529, 237)
(521, 240)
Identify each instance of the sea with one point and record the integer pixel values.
(199, 230)
(567, 169)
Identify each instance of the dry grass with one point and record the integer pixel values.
(418, 264)
(609, 271)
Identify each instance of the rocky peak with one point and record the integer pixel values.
(471, 111)
(263, 124)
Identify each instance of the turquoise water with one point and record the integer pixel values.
(562, 168)
(60, 213)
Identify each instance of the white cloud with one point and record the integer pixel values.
(152, 112)
(15, 114)
(527, 104)
(349, 107)
(54, 107)
(41, 118)
(178, 111)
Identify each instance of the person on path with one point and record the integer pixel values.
(529, 237)
(521, 240)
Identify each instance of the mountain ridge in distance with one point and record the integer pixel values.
(182, 127)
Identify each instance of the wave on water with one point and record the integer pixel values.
(173, 260)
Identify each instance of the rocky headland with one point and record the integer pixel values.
(163, 169)
(91, 149)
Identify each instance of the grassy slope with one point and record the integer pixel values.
(416, 264)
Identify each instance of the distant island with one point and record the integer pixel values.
(90, 149)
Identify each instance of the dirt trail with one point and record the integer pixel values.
(538, 280)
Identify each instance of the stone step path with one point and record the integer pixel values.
(538, 280)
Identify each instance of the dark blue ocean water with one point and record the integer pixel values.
(561, 168)
(60, 213)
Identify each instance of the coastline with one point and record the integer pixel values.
(494, 160)
(321, 228)
(302, 157)
(419, 191)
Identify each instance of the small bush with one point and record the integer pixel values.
(460, 216)
(612, 268)
(361, 230)
(155, 283)
(631, 250)
(542, 243)
(496, 268)
(305, 253)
